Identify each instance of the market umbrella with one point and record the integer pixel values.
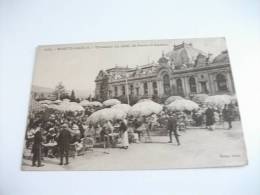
(57, 101)
(46, 102)
(36, 106)
(123, 107)
(200, 98)
(181, 105)
(144, 100)
(68, 106)
(145, 108)
(111, 102)
(84, 103)
(218, 100)
(106, 114)
(94, 103)
(172, 99)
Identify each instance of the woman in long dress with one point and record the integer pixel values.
(124, 134)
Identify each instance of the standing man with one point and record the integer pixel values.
(64, 143)
(209, 118)
(37, 148)
(172, 127)
(228, 114)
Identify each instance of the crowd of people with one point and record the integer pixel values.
(55, 134)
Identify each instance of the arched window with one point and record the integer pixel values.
(123, 90)
(166, 84)
(193, 88)
(131, 90)
(221, 82)
(145, 88)
(179, 87)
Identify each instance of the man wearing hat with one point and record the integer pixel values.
(64, 143)
(37, 148)
(172, 127)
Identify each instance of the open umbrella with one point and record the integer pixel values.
(111, 102)
(106, 114)
(123, 107)
(84, 103)
(46, 102)
(181, 105)
(95, 103)
(67, 106)
(57, 101)
(36, 106)
(218, 100)
(144, 100)
(145, 108)
(200, 98)
(172, 99)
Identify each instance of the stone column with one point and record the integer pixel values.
(186, 86)
(211, 84)
(150, 88)
(160, 88)
(230, 85)
(141, 89)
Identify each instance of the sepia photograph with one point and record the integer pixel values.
(133, 105)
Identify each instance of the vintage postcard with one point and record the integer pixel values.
(133, 105)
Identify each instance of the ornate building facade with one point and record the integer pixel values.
(184, 71)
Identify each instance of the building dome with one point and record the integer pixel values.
(222, 58)
(163, 60)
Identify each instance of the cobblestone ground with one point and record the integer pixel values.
(199, 148)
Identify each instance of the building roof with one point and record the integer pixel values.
(184, 54)
(222, 58)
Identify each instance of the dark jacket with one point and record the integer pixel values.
(37, 140)
(209, 117)
(122, 127)
(172, 123)
(64, 139)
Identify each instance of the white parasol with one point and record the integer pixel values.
(145, 108)
(218, 100)
(172, 99)
(105, 115)
(181, 105)
(67, 106)
(124, 107)
(111, 102)
(200, 98)
(84, 103)
(46, 102)
(144, 100)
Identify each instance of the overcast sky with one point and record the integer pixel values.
(77, 65)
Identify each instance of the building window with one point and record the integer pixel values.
(193, 88)
(110, 93)
(116, 92)
(204, 88)
(145, 88)
(179, 87)
(221, 82)
(166, 84)
(131, 90)
(137, 91)
(155, 90)
(123, 90)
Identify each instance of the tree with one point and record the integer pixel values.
(60, 91)
(72, 96)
